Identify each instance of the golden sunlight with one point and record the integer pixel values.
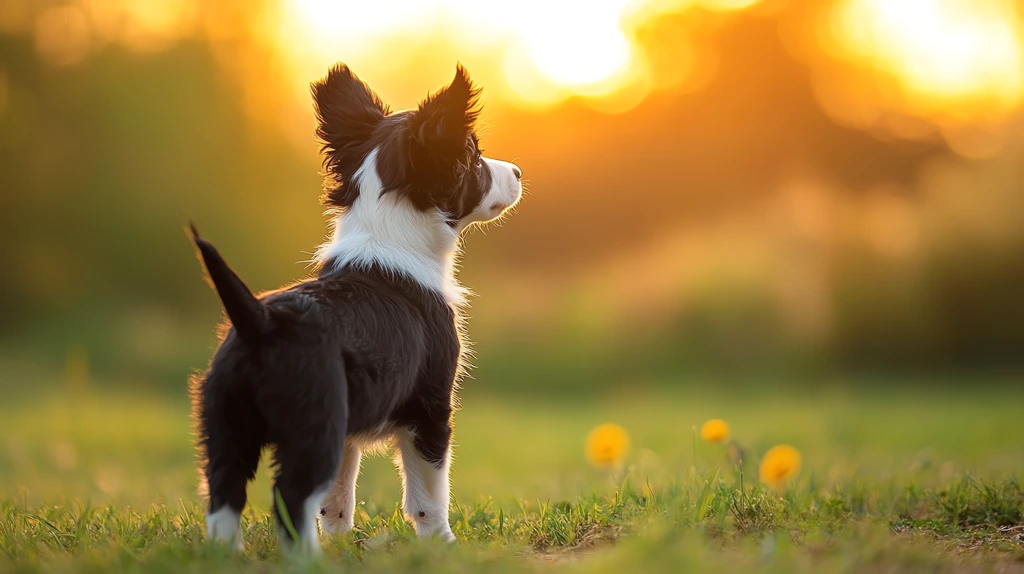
(957, 64)
(967, 52)
(949, 58)
(569, 44)
(328, 19)
(573, 47)
(547, 50)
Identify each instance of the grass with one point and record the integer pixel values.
(892, 481)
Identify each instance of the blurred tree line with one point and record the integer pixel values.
(104, 162)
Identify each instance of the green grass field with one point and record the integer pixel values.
(891, 481)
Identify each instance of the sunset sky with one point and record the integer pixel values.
(951, 62)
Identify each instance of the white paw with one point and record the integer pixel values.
(440, 530)
(308, 547)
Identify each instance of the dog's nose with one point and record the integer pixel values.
(517, 171)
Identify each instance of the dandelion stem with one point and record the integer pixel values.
(743, 489)
(694, 444)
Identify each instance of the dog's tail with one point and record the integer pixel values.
(248, 316)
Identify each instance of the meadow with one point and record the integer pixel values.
(102, 479)
(730, 203)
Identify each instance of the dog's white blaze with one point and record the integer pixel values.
(425, 489)
(388, 230)
(505, 192)
(342, 497)
(225, 526)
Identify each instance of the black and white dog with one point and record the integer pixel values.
(371, 348)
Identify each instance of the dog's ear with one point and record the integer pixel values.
(442, 124)
(347, 113)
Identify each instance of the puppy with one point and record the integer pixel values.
(371, 348)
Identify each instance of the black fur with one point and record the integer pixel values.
(247, 315)
(345, 354)
(348, 113)
(355, 349)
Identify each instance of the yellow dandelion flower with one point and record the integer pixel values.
(715, 430)
(606, 445)
(780, 464)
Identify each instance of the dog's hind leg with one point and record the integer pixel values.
(231, 438)
(304, 477)
(309, 433)
(337, 515)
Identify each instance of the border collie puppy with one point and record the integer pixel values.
(371, 348)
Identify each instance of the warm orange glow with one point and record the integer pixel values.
(964, 53)
(143, 26)
(548, 50)
(939, 51)
(62, 35)
(911, 68)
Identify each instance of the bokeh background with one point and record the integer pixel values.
(732, 203)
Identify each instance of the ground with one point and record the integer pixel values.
(102, 479)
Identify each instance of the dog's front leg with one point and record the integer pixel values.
(423, 458)
(337, 516)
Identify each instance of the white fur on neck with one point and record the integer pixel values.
(384, 228)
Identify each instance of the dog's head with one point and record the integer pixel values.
(429, 156)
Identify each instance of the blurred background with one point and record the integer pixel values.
(723, 194)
